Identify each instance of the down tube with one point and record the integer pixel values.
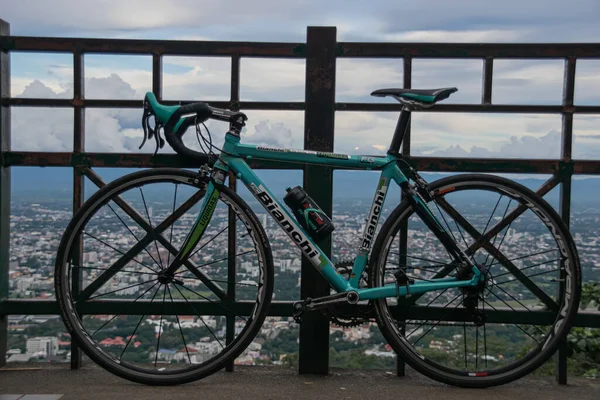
(288, 223)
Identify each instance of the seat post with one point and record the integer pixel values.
(400, 130)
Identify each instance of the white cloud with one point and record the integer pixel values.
(272, 79)
(459, 36)
(119, 130)
(526, 146)
(357, 78)
(47, 129)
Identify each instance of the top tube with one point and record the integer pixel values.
(308, 157)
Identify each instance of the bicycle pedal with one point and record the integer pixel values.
(300, 308)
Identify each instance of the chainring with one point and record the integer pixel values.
(357, 317)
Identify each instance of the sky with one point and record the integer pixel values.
(207, 79)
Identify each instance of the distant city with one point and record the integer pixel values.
(37, 225)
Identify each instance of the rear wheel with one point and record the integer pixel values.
(159, 329)
(507, 327)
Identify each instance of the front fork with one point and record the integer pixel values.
(207, 209)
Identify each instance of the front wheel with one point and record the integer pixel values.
(505, 328)
(161, 329)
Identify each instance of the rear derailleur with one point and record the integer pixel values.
(474, 297)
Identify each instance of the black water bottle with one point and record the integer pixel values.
(316, 223)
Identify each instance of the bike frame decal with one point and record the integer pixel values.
(233, 158)
(373, 218)
(207, 209)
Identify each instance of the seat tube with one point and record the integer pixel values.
(401, 127)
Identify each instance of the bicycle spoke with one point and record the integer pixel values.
(521, 257)
(512, 308)
(523, 330)
(138, 325)
(484, 337)
(205, 278)
(437, 323)
(445, 221)
(465, 341)
(160, 328)
(116, 267)
(197, 313)
(496, 237)
(529, 267)
(515, 299)
(214, 237)
(536, 290)
(172, 225)
(213, 262)
(120, 252)
(115, 316)
(476, 347)
(417, 328)
(514, 214)
(179, 324)
(417, 258)
(529, 276)
(118, 290)
(206, 298)
(488, 222)
(130, 231)
(106, 269)
(150, 223)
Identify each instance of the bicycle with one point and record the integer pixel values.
(237, 302)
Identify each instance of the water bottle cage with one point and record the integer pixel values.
(306, 214)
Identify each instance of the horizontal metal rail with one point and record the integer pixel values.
(320, 52)
(438, 164)
(500, 315)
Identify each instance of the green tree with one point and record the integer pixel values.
(33, 262)
(584, 343)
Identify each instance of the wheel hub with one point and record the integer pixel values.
(165, 277)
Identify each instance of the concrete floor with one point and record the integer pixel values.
(92, 382)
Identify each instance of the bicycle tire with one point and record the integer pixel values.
(568, 304)
(62, 283)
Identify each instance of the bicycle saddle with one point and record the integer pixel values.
(427, 96)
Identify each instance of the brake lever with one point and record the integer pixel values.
(150, 132)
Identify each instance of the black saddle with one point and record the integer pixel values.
(426, 96)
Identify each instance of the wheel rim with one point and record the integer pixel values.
(193, 295)
(440, 350)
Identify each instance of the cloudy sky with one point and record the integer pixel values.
(475, 135)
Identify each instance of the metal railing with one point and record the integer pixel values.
(320, 51)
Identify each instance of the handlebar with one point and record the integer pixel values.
(177, 119)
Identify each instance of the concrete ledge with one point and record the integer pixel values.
(92, 382)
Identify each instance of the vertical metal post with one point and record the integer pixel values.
(78, 182)
(403, 245)
(234, 102)
(231, 271)
(565, 187)
(318, 182)
(488, 72)
(231, 233)
(4, 190)
(157, 75)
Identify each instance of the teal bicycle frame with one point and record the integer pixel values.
(232, 158)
